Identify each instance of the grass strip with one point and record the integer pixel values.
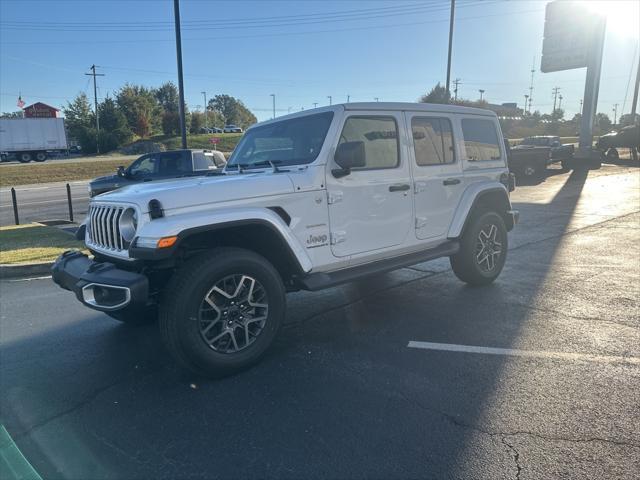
(34, 243)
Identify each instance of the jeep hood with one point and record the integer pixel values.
(191, 191)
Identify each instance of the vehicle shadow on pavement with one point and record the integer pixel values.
(339, 396)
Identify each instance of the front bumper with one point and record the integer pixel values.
(101, 286)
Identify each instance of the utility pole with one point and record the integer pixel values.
(451, 16)
(273, 96)
(183, 126)
(205, 110)
(533, 71)
(95, 102)
(330, 99)
(615, 113)
(555, 92)
(560, 103)
(348, 98)
(456, 82)
(481, 94)
(526, 98)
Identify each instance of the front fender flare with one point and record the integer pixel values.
(185, 225)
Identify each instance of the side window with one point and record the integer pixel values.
(480, 139)
(174, 163)
(380, 137)
(432, 140)
(144, 166)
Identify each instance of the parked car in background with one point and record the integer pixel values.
(528, 163)
(160, 166)
(559, 151)
(216, 130)
(626, 137)
(232, 129)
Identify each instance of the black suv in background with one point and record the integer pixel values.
(160, 166)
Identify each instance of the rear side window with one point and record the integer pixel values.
(480, 140)
(174, 163)
(432, 140)
(380, 137)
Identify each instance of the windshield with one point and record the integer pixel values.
(289, 142)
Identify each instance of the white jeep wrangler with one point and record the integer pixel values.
(306, 201)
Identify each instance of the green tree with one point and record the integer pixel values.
(197, 122)
(603, 122)
(168, 97)
(627, 119)
(232, 110)
(114, 129)
(141, 109)
(171, 123)
(78, 117)
(437, 94)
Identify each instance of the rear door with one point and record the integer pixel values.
(438, 179)
(371, 208)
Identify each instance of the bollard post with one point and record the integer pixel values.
(70, 204)
(15, 205)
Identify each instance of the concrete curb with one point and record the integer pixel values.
(25, 270)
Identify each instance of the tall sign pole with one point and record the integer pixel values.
(591, 88)
(183, 126)
(453, 9)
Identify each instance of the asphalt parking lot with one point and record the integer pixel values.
(405, 375)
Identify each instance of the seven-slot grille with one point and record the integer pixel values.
(104, 226)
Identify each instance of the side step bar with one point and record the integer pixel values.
(322, 280)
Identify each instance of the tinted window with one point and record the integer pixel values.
(174, 163)
(380, 137)
(480, 139)
(146, 165)
(288, 142)
(432, 140)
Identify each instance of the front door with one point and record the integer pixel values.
(371, 208)
(437, 174)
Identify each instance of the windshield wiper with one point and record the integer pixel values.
(265, 163)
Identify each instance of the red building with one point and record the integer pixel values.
(40, 110)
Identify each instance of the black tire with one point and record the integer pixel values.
(41, 156)
(466, 264)
(184, 330)
(24, 157)
(136, 317)
(566, 164)
(531, 171)
(612, 154)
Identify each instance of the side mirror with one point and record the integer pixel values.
(120, 171)
(349, 155)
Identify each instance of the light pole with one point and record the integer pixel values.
(453, 9)
(377, 99)
(273, 96)
(183, 126)
(615, 114)
(330, 99)
(206, 125)
(481, 94)
(526, 99)
(348, 98)
(315, 104)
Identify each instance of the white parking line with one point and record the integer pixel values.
(450, 347)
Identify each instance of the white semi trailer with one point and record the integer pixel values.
(32, 138)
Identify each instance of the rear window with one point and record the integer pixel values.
(480, 140)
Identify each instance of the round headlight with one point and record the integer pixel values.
(128, 224)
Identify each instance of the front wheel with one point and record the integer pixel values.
(221, 311)
(483, 250)
(612, 154)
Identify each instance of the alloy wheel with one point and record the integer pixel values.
(488, 248)
(233, 313)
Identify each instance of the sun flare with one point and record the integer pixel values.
(623, 16)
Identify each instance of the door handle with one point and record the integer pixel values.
(451, 181)
(403, 187)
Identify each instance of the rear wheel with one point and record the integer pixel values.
(24, 157)
(41, 156)
(483, 250)
(221, 311)
(612, 154)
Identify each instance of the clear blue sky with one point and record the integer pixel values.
(301, 51)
